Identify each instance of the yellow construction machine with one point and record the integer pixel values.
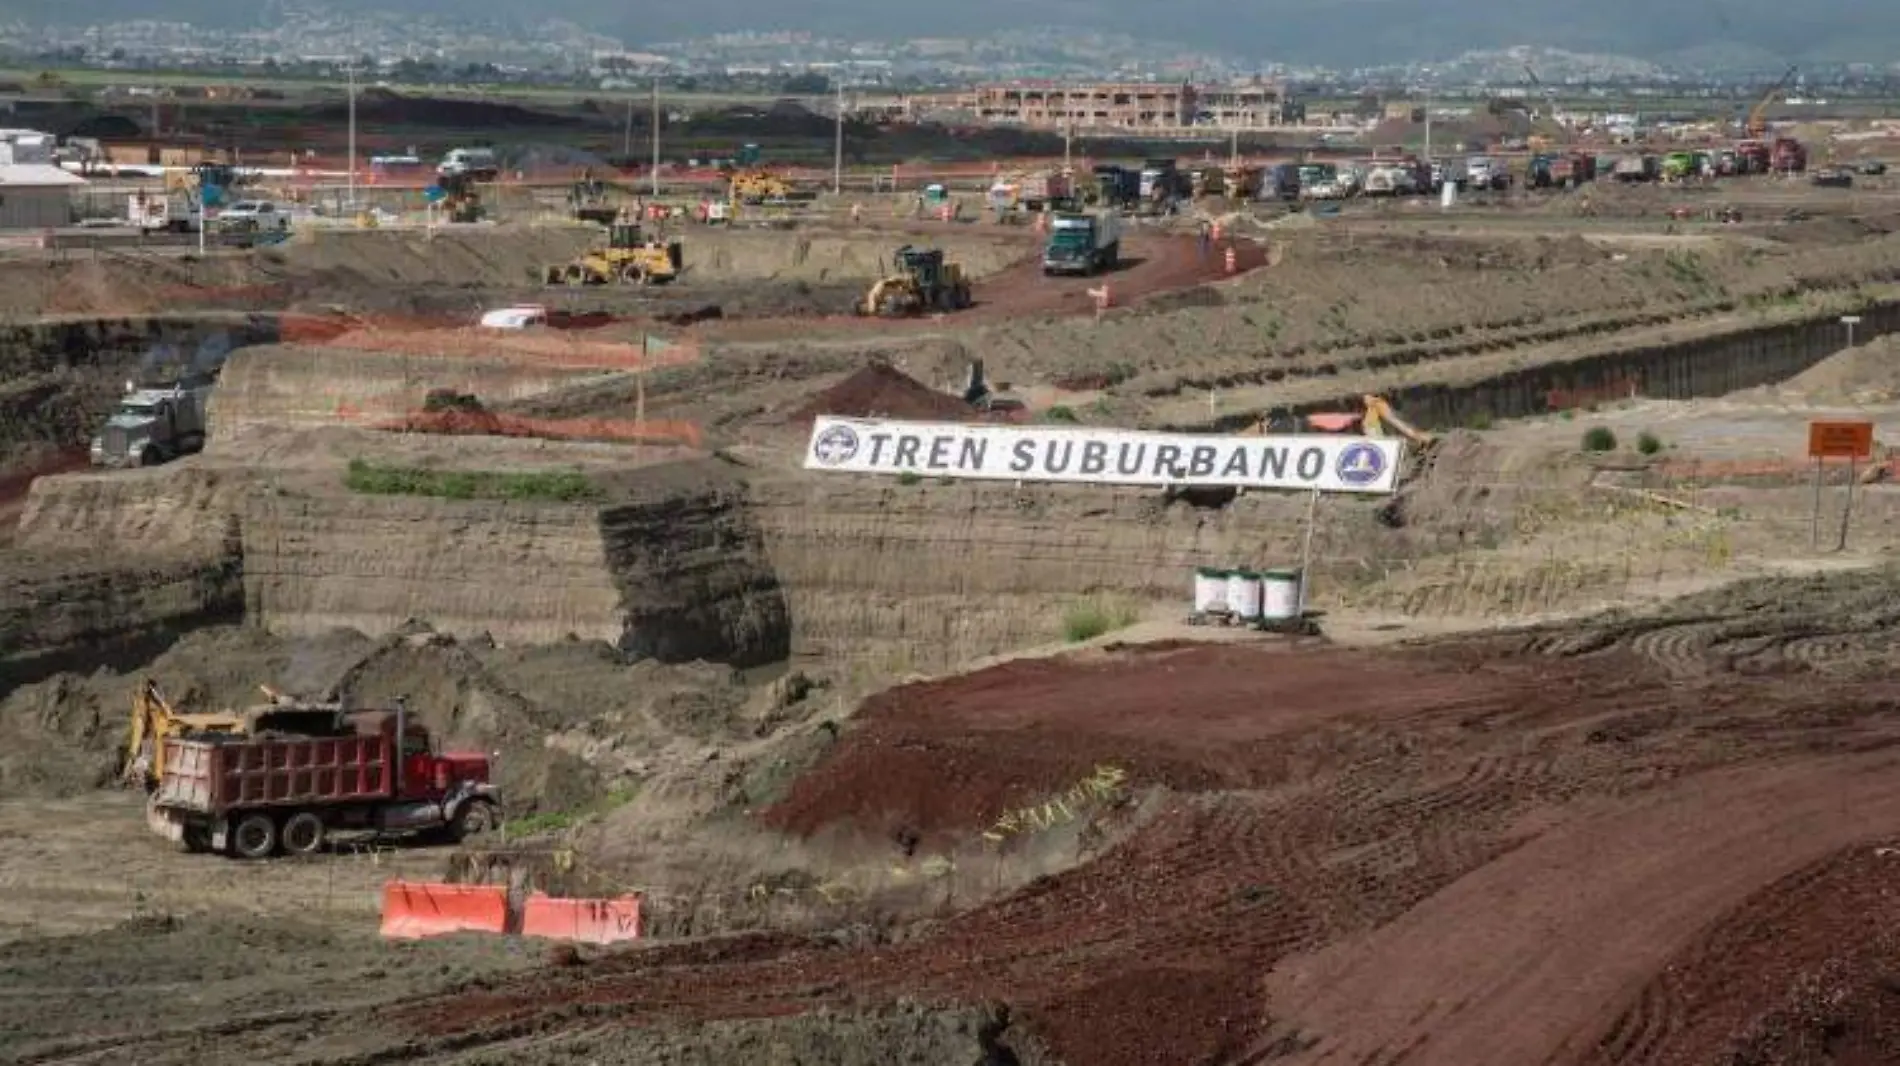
(630, 258)
(153, 721)
(920, 281)
(1375, 418)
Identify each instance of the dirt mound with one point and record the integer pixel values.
(1868, 373)
(64, 735)
(882, 391)
(382, 107)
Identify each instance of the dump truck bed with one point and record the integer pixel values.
(218, 775)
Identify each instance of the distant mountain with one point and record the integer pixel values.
(1339, 33)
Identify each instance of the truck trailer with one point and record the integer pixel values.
(1083, 243)
(256, 794)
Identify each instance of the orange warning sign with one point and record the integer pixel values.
(1840, 440)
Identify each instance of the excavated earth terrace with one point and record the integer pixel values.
(1628, 840)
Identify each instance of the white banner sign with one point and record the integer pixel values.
(1309, 462)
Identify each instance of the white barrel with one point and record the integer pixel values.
(1448, 194)
(1280, 595)
(1210, 591)
(1243, 594)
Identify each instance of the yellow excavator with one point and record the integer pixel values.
(629, 259)
(1376, 418)
(153, 721)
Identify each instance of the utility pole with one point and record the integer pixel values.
(352, 74)
(656, 138)
(1428, 116)
(1068, 134)
(626, 143)
(837, 149)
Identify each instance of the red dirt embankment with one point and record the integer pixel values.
(947, 757)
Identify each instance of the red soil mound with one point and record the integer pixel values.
(882, 391)
(949, 756)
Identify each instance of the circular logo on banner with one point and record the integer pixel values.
(835, 445)
(1360, 464)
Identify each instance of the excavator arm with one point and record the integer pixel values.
(1381, 418)
(153, 720)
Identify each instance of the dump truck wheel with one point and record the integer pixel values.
(303, 834)
(474, 818)
(633, 274)
(255, 837)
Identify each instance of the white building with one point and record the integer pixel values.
(34, 192)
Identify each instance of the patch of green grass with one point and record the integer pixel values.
(377, 479)
(1061, 413)
(556, 821)
(542, 822)
(909, 477)
(1648, 443)
(1090, 618)
(1599, 439)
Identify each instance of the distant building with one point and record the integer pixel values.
(1118, 106)
(34, 192)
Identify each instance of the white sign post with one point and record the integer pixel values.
(1311, 462)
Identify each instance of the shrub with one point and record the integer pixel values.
(1060, 413)
(1090, 618)
(1599, 439)
(549, 485)
(1649, 444)
(909, 477)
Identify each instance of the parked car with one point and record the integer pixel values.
(254, 215)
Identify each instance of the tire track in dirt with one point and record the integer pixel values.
(1616, 893)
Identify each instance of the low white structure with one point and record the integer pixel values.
(34, 192)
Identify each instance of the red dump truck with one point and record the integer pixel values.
(253, 795)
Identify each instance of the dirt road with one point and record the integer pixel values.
(1523, 960)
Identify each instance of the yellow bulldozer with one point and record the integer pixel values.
(629, 258)
(920, 281)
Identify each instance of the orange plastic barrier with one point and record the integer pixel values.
(414, 910)
(584, 921)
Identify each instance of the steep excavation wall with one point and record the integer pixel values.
(1706, 366)
(295, 386)
(110, 567)
(59, 377)
(929, 575)
(671, 567)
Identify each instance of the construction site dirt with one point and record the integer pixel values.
(1593, 763)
